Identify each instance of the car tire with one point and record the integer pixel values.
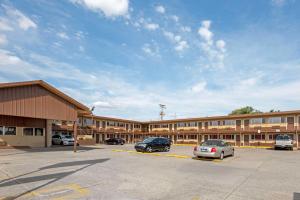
(232, 153)
(149, 149)
(122, 143)
(167, 149)
(61, 143)
(222, 156)
(291, 149)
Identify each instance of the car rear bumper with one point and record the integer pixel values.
(207, 154)
(68, 143)
(282, 146)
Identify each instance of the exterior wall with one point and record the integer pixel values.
(20, 140)
(36, 102)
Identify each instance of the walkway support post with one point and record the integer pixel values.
(75, 136)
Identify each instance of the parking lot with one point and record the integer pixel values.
(118, 172)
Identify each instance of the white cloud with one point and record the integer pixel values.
(110, 8)
(214, 51)
(180, 44)
(151, 26)
(199, 87)
(24, 22)
(204, 31)
(4, 25)
(63, 35)
(175, 18)
(151, 49)
(103, 104)
(160, 9)
(221, 45)
(3, 39)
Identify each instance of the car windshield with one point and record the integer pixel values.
(148, 140)
(211, 143)
(68, 136)
(282, 137)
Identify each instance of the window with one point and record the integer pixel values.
(1, 130)
(10, 131)
(213, 123)
(270, 137)
(272, 120)
(39, 132)
(27, 131)
(228, 137)
(192, 137)
(229, 122)
(256, 121)
(164, 125)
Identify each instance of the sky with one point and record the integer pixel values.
(125, 57)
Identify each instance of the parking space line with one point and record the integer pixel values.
(69, 191)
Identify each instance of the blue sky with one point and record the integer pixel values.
(125, 57)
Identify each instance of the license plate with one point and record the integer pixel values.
(204, 150)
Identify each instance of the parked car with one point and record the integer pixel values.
(214, 149)
(115, 141)
(63, 140)
(153, 144)
(283, 142)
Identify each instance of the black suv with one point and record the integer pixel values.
(153, 144)
(115, 141)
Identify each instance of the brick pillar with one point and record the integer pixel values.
(48, 133)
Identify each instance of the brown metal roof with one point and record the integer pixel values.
(113, 119)
(82, 108)
(243, 116)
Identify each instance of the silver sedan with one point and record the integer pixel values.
(214, 149)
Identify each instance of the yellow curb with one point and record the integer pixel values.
(177, 156)
(117, 150)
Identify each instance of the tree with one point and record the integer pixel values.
(245, 110)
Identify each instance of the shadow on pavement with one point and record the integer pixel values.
(51, 177)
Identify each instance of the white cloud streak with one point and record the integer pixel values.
(111, 8)
(160, 9)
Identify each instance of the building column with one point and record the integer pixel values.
(48, 133)
(75, 136)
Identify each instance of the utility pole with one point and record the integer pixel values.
(162, 113)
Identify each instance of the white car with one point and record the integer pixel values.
(283, 142)
(63, 140)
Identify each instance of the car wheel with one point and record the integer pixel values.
(61, 143)
(222, 156)
(232, 153)
(122, 143)
(149, 149)
(291, 149)
(167, 149)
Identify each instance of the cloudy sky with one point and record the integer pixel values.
(125, 57)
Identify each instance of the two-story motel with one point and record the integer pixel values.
(30, 112)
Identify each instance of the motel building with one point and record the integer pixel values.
(31, 112)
